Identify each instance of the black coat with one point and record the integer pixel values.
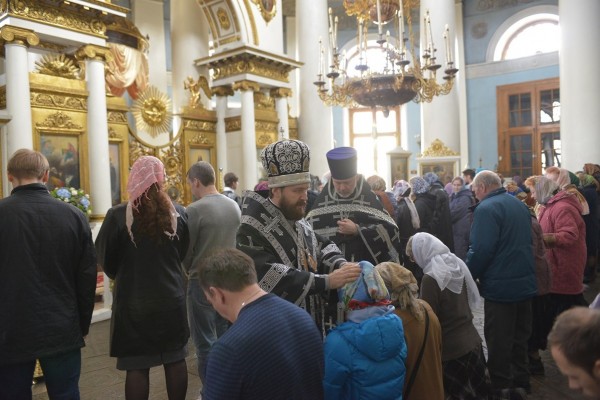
(47, 275)
(149, 314)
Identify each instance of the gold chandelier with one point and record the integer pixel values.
(399, 81)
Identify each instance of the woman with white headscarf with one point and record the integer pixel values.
(141, 245)
(451, 292)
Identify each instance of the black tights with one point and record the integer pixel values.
(137, 382)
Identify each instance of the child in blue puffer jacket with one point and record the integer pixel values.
(364, 356)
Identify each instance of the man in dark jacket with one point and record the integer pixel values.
(501, 258)
(47, 281)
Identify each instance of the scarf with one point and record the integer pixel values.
(449, 271)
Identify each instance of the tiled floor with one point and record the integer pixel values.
(100, 380)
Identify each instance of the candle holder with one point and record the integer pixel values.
(401, 80)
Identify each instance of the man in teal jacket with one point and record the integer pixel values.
(501, 258)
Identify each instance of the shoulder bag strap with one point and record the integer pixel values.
(413, 374)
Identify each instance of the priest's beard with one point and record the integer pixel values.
(293, 211)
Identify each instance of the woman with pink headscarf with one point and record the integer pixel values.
(140, 245)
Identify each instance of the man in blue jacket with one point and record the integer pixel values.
(501, 258)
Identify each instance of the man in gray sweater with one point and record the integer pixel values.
(213, 220)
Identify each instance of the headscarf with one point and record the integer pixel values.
(449, 271)
(145, 172)
(367, 290)
(545, 188)
(402, 191)
(565, 183)
(563, 178)
(591, 169)
(587, 180)
(431, 178)
(419, 185)
(403, 287)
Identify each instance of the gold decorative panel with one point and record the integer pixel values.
(438, 149)
(57, 93)
(248, 60)
(57, 65)
(199, 139)
(61, 14)
(3, 97)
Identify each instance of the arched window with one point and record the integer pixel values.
(534, 34)
(375, 58)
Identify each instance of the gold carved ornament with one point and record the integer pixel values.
(194, 88)
(152, 112)
(438, 149)
(57, 65)
(223, 19)
(267, 8)
(64, 16)
(25, 37)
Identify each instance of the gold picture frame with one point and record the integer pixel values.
(64, 143)
(442, 169)
(268, 9)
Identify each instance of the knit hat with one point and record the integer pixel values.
(286, 162)
(342, 162)
(367, 290)
(145, 172)
(419, 185)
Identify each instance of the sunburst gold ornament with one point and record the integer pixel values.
(152, 112)
(57, 65)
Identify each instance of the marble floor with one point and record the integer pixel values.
(100, 380)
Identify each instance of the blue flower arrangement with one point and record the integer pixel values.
(75, 197)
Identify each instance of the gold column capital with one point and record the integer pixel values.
(94, 52)
(246, 85)
(222, 91)
(13, 35)
(281, 92)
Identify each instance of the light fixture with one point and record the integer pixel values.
(404, 77)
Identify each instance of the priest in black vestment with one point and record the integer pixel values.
(291, 261)
(349, 213)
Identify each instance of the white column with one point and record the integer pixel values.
(315, 123)
(222, 92)
(440, 118)
(249, 175)
(97, 127)
(579, 82)
(148, 16)
(281, 106)
(18, 104)
(189, 41)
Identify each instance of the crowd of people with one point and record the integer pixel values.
(302, 289)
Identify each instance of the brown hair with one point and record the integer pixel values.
(228, 269)
(202, 171)
(230, 178)
(576, 333)
(153, 216)
(27, 164)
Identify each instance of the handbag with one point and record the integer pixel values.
(413, 374)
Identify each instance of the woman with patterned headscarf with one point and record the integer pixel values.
(407, 219)
(434, 212)
(451, 292)
(422, 331)
(424, 203)
(141, 245)
(564, 236)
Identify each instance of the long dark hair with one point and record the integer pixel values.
(153, 215)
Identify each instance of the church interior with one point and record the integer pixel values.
(415, 86)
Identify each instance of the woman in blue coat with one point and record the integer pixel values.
(364, 356)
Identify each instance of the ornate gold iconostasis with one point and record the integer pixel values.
(59, 116)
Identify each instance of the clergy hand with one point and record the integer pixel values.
(349, 272)
(347, 227)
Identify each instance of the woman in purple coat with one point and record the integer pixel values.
(461, 214)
